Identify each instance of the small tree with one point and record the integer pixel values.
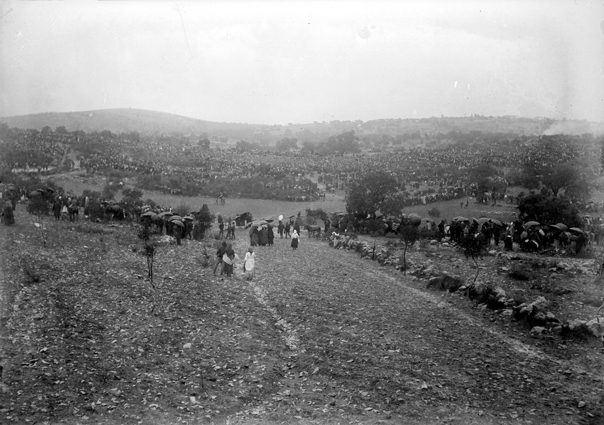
(203, 221)
(434, 212)
(38, 206)
(473, 246)
(409, 235)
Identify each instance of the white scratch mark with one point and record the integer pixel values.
(455, 85)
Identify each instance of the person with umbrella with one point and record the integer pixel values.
(264, 235)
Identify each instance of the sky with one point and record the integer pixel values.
(269, 62)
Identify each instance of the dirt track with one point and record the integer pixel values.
(319, 336)
(388, 348)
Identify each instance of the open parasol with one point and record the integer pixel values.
(495, 221)
(576, 230)
(530, 224)
(460, 218)
(178, 223)
(483, 220)
(148, 214)
(176, 217)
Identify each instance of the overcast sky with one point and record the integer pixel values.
(299, 62)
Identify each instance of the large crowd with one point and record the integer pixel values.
(427, 174)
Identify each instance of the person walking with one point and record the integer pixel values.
(228, 259)
(287, 229)
(249, 263)
(280, 228)
(219, 254)
(295, 237)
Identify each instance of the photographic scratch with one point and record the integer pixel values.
(184, 30)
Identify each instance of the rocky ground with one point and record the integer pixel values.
(320, 335)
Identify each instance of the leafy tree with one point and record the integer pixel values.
(559, 176)
(204, 143)
(371, 192)
(346, 142)
(286, 144)
(482, 175)
(549, 210)
(38, 206)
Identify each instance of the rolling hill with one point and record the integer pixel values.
(152, 122)
(120, 120)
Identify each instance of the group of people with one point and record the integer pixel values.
(226, 257)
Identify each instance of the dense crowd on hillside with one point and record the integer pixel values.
(427, 174)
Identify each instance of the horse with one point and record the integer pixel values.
(313, 230)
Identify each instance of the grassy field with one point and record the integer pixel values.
(260, 208)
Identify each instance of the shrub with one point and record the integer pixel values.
(39, 206)
(434, 212)
(182, 209)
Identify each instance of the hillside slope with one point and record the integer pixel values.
(118, 120)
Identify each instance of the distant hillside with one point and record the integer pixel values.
(119, 120)
(152, 122)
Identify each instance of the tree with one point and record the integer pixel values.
(409, 235)
(370, 193)
(286, 144)
(346, 142)
(204, 143)
(559, 176)
(203, 221)
(38, 206)
(473, 246)
(549, 210)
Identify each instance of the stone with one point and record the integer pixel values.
(492, 252)
(537, 330)
(540, 318)
(507, 312)
(433, 242)
(596, 328)
(576, 324)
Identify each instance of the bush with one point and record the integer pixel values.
(39, 206)
(8, 217)
(434, 212)
(182, 209)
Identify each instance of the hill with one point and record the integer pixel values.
(153, 122)
(120, 120)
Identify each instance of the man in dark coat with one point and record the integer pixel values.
(280, 228)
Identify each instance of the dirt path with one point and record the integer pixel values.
(386, 349)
